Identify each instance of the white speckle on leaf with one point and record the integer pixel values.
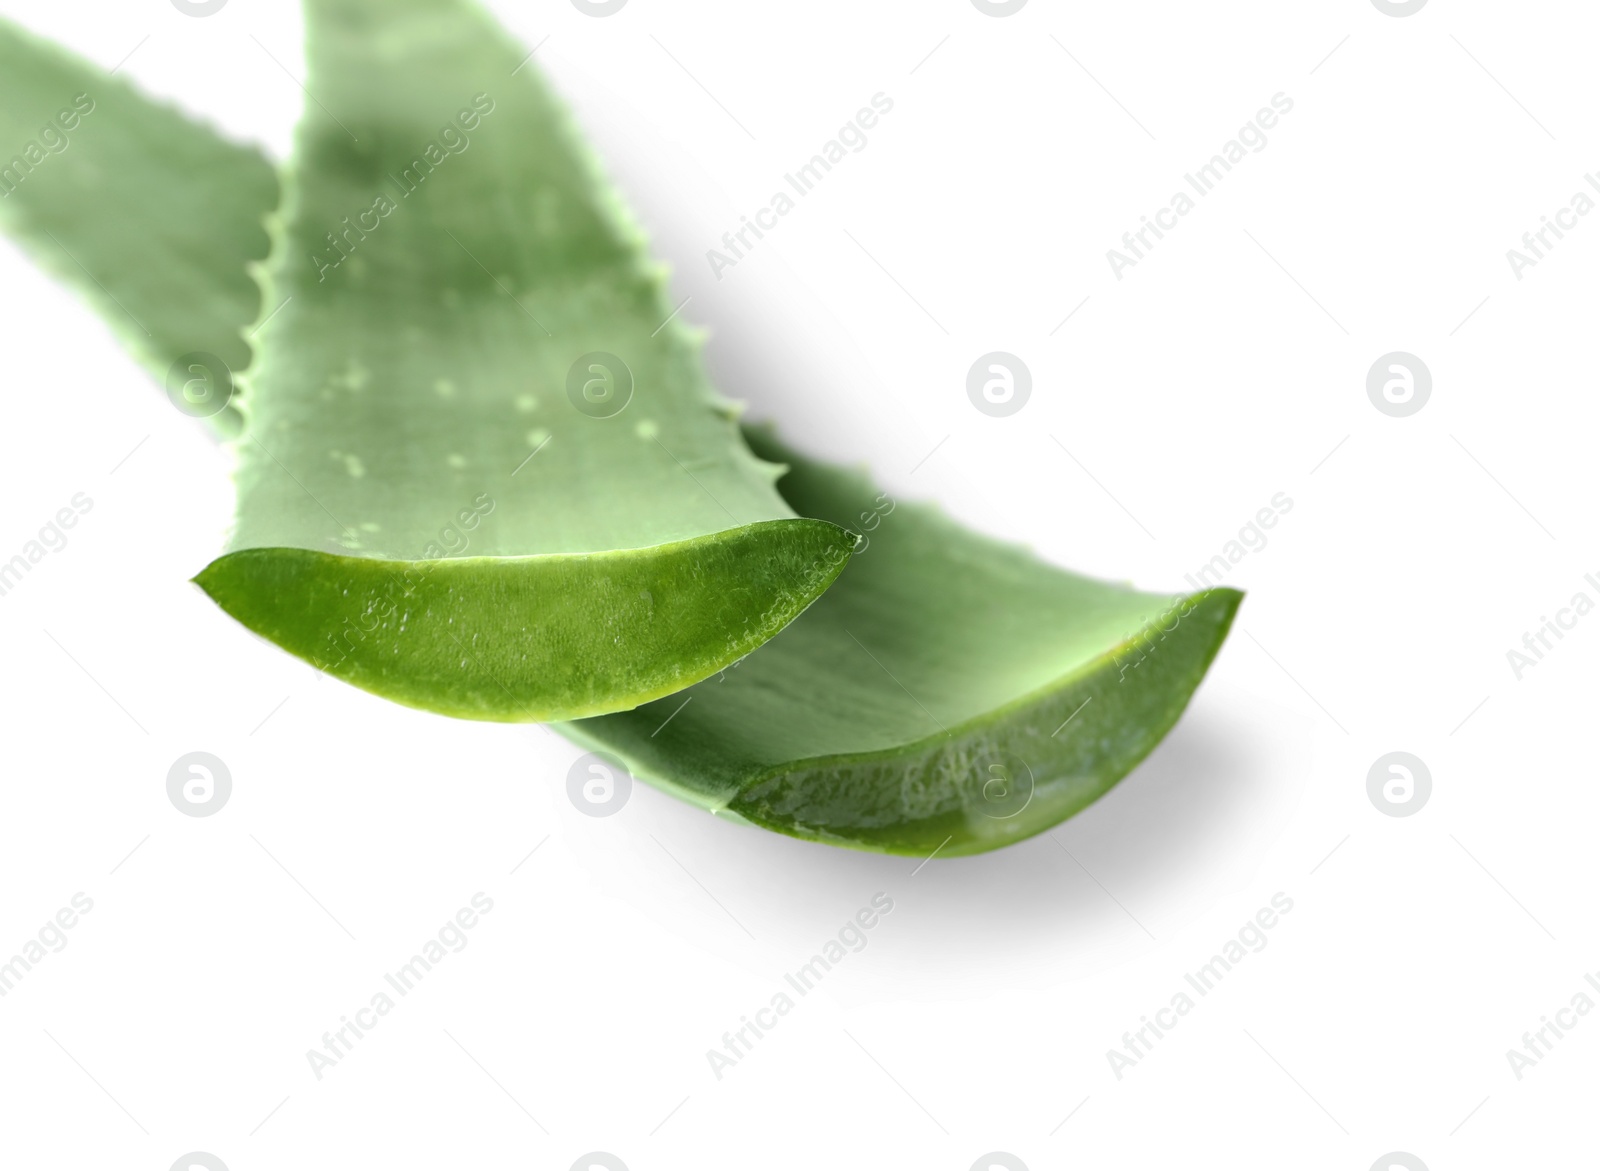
(354, 377)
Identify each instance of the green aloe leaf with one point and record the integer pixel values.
(949, 693)
(500, 494)
(484, 473)
(147, 213)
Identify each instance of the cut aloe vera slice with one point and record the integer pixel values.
(949, 693)
(484, 473)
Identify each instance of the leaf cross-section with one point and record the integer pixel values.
(483, 470)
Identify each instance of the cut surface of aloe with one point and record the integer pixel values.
(949, 693)
(484, 473)
(148, 214)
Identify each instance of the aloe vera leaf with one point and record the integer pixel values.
(802, 738)
(949, 693)
(633, 555)
(436, 500)
(149, 214)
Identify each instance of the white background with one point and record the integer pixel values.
(1189, 392)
